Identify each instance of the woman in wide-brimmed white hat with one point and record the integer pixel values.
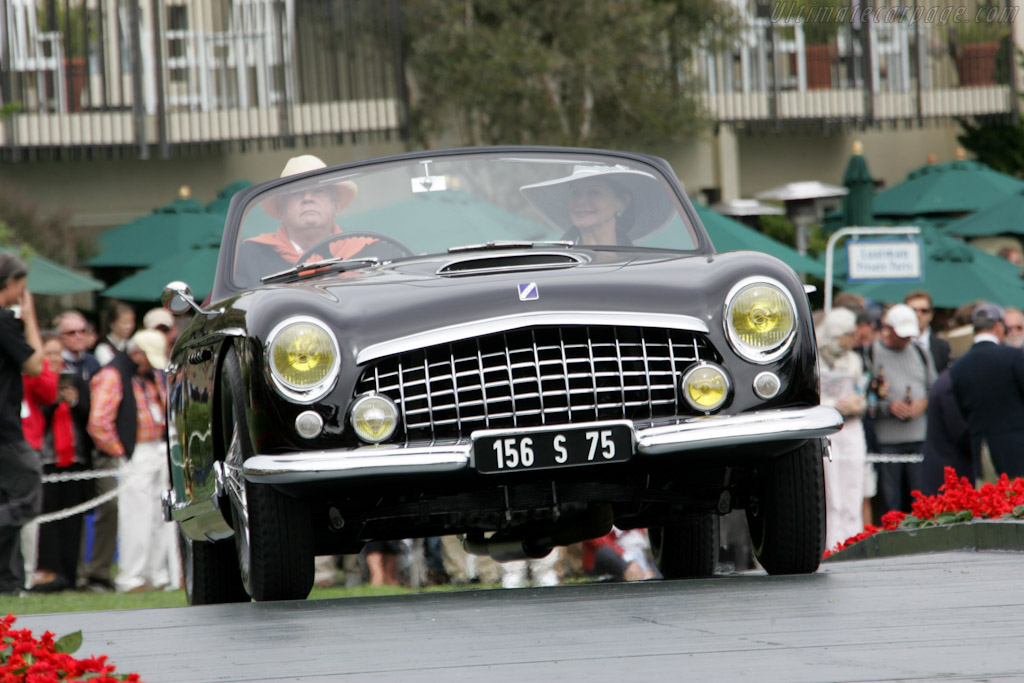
(603, 205)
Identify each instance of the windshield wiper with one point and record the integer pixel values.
(317, 267)
(510, 244)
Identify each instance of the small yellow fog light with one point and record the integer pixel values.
(374, 418)
(705, 387)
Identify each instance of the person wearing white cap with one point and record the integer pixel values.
(906, 373)
(130, 426)
(307, 213)
(988, 383)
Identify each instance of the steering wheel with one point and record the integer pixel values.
(384, 248)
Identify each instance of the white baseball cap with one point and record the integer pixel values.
(903, 320)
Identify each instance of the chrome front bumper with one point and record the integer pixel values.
(698, 433)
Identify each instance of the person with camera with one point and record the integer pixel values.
(21, 351)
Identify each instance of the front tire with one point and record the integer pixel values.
(273, 533)
(211, 572)
(688, 548)
(786, 518)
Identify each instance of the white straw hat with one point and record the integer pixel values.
(650, 200)
(345, 189)
(154, 345)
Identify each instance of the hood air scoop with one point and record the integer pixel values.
(507, 263)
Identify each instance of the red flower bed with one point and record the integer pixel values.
(957, 501)
(25, 659)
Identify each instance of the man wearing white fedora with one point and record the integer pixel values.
(307, 216)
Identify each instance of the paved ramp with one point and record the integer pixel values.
(951, 616)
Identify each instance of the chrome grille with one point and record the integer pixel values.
(537, 376)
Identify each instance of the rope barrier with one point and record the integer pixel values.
(79, 476)
(127, 472)
(895, 457)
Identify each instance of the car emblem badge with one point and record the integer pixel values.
(528, 292)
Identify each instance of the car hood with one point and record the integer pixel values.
(367, 306)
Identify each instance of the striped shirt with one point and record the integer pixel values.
(907, 368)
(105, 392)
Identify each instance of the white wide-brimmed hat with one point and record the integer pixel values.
(154, 345)
(345, 189)
(650, 200)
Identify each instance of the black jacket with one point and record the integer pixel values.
(947, 441)
(126, 422)
(939, 348)
(988, 383)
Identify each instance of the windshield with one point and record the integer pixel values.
(450, 204)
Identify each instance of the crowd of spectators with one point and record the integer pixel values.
(917, 397)
(89, 415)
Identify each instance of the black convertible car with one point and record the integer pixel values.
(520, 345)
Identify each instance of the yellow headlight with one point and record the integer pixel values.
(706, 387)
(374, 418)
(303, 355)
(760, 319)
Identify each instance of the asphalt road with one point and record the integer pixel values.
(956, 616)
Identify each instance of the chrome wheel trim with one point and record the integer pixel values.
(234, 481)
(188, 570)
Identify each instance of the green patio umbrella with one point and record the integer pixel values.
(1003, 218)
(223, 201)
(730, 235)
(47, 277)
(195, 266)
(949, 189)
(168, 230)
(859, 204)
(954, 274)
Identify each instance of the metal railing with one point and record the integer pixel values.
(155, 77)
(894, 66)
(158, 77)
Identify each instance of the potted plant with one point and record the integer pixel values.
(976, 47)
(77, 33)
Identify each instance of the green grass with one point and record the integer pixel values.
(83, 601)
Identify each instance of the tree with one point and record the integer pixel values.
(49, 235)
(586, 72)
(998, 143)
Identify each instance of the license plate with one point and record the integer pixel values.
(544, 448)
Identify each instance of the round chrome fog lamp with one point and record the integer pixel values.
(767, 385)
(309, 424)
(705, 387)
(374, 418)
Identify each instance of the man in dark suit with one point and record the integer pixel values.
(988, 383)
(937, 347)
(947, 441)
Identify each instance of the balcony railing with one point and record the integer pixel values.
(155, 77)
(151, 77)
(894, 69)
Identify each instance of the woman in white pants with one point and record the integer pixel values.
(842, 387)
